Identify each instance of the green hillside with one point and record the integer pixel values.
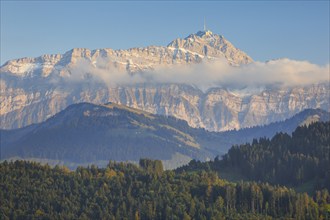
(87, 133)
(126, 191)
(301, 160)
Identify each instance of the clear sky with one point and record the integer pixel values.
(263, 29)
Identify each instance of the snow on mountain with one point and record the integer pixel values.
(212, 45)
(33, 89)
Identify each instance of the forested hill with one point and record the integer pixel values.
(125, 191)
(87, 133)
(297, 160)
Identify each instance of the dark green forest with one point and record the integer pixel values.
(29, 190)
(300, 159)
(199, 190)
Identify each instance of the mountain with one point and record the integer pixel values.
(87, 133)
(211, 45)
(192, 49)
(288, 126)
(34, 89)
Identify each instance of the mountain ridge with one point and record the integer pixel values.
(186, 53)
(86, 133)
(34, 89)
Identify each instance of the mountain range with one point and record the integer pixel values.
(86, 133)
(34, 89)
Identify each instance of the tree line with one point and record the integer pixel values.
(29, 190)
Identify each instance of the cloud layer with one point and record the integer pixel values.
(282, 72)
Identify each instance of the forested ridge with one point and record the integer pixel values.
(29, 190)
(303, 157)
(87, 133)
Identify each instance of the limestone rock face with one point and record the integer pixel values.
(192, 49)
(34, 89)
(212, 45)
(216, 109)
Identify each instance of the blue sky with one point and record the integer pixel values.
(264, 30)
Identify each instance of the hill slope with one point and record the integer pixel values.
(85, 133)
(304, 117)
(297, 160)
(125, 191)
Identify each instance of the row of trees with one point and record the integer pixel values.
(125, 191)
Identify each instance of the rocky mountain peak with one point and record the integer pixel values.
(205, 33)
(212, 45)
(34, 89)
(192, 49)
(75, 54)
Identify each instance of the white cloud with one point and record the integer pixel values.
(282, 72)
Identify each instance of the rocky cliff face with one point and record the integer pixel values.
(211, 45)
(33, 89)
(192, 49)
(216, 110)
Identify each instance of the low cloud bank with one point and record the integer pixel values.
(282, 72)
